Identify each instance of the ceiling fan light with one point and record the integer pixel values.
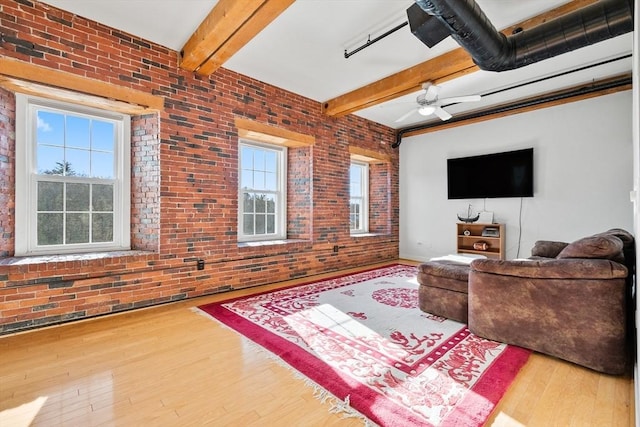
(426, 110)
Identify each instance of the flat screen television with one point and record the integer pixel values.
(507, 174)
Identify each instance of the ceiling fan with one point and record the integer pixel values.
(430, 103)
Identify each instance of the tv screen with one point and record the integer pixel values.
(507, 174)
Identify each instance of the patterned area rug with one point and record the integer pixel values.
(363, 338)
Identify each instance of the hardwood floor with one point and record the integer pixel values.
(169, 366)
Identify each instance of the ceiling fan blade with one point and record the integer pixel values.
(406, 115)
(431, 92)
(442, 114)
(456, 99)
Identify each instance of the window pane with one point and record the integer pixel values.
(50, 160)
(261, 206)
(102, 198)
(50, 196)
(259, 181)
(271, 183)
(102, 227)
(247, 224)
(355, 190)
(248, 203)
(102, 136)
(259, 160)
(270, 161)
(271, 224)
(247, 158)
(102, 165)
(78, 132)
(50, 229)
(246, 179)
(355, 174)
(260, 224)
(354, 217)
(78, 162)
(271, 203)
(355, 222)
(78, 197)
(50, 128)
(77, 229)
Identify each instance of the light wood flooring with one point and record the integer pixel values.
(170, 366)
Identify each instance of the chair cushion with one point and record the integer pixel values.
(606, 246)
(446, 269)
(624, 235)
(547, 248)
(628, 246)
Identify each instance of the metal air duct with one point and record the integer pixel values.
(493, 51)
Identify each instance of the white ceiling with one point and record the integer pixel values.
(302, 51)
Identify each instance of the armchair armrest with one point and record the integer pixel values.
(567, 268)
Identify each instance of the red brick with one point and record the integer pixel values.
(176, 168)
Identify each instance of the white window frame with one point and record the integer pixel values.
(364, 200)
(281, 193)
(27, 177)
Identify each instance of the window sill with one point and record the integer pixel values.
(367, 234)
(47, 259)
(262, 243)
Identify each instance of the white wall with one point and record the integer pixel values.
(583, 175)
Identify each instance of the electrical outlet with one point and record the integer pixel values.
(336, 248)
(200, 264)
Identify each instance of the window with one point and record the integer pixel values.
(72, 178)
(262, 212)
(359, 195)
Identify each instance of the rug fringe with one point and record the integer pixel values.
(337, 406)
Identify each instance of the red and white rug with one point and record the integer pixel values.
(363, 338)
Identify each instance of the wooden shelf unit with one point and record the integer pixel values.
(465, 243)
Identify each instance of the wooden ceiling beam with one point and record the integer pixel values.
(269, 11)
(221, 23)
(448, 66)
(229, 26)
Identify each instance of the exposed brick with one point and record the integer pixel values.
(184, 180)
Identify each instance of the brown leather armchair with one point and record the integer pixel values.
(571, 301)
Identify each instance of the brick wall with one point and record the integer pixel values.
(145, 182)
(7, 162)
(184, 181)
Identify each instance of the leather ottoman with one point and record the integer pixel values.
(444, 288)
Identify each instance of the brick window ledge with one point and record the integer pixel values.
(82, 258)
(262, 243)
(356, 235)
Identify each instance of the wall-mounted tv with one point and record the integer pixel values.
(507, 174)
